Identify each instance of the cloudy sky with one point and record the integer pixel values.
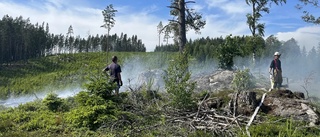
(141, 17)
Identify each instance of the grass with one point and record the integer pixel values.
(71, 119)
(61, 71)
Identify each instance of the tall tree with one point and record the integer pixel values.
(159, 29)
(70, 31)
(309, 17)
(185, 18)
(258, 7)
(69, 39)
(109, 21)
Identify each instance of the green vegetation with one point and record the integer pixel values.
(58, 72)
(177, 82)
(242, 80)
(22, 40)
(280, 127)
(95, 111)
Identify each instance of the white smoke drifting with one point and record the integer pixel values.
(301, 77)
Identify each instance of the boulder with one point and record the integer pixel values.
(287, 104)
(214, 82)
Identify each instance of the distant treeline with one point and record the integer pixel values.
(208, 48)
(21, 40)
(295, 57)
(167, 48)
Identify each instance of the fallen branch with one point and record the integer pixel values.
(254, 114)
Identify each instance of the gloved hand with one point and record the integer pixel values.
(121, 83)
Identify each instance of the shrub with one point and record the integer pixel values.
(242, 80)
(177, 82)
(52, 101)
(85, 99)
(32, 106)
(100, 85)
(92, 117)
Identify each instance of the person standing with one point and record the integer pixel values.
(276, 71)
(114, 72)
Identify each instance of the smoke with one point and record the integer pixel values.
(302, 74)
(131, 69)
(14, 101)
(138, 70)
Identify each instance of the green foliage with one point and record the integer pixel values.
(167, 48)
(139, 113)
(184, 19)
(96, 106)
(36, 105)
(227, 51)
(92, 117)
(279, 127)
(242, 80)
(22, 40)
(53, 102)
(177, 84)
(253, 44)
(100, 85)
(308, 15)
(85, 99)
(60, 72)
(258, 7)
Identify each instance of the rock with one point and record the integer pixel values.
(298, 95)
(222, 80)
(214, 82)
(313, 117)
(285, 103)
(281, 93)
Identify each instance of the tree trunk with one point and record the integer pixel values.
(182, 28)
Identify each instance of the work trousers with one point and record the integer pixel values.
(277, 78)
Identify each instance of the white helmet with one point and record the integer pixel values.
(277, 54)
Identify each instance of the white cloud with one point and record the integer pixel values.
(86, 20)
(215, 3)
(230, 6)
(306, 36)
(216, 27)
(60, 15)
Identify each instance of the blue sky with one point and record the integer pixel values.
(141, 17)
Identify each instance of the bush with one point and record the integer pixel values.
(53, 102)
(92, 117)
(85, 99)
(100, 85)
(242, 80)
(177, 82)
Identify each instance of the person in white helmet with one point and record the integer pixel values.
(276, 71)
